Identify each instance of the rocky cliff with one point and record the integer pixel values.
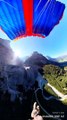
(7, 55)
(36, 60)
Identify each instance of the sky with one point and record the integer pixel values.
(54, 45)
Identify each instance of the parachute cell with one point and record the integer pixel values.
(47, 14)
(20, 18)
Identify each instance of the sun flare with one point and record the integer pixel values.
(18, 53)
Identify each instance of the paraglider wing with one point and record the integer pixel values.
(20, 18)
(12, 18)
(47, 13)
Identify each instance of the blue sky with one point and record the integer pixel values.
(54, 45)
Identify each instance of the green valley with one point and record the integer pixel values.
(57, 77)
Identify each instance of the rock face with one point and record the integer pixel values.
(17, 87)
(7, 56)
(17, 83)
(17, 80)
(36, 59)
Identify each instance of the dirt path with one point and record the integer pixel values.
(61, 95)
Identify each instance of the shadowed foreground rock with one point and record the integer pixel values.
(17, 86)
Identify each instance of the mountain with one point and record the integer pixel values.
(36, 59)
(58, 59)
(51, 59)
(62, 58)
(18, 83)
(7, 56)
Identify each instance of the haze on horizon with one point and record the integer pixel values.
(54, 45)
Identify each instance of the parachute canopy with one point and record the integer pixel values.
(20, 18)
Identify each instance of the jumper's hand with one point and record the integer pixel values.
(35, 113)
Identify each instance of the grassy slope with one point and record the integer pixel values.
(57, 77)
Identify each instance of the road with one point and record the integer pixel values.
(61, 95)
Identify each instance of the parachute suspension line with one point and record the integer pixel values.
(51, 8)
(40, 104)
(5, 29)
(51, 12)
(38, 5)
(7, 16)
(20, 20)
(5, 25)
(8, 4)
(14, 21)
(17, 17)
(29, 17)
(42, 11)
(11, 19)
(40, 14)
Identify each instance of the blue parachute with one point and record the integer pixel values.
(19, 18)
